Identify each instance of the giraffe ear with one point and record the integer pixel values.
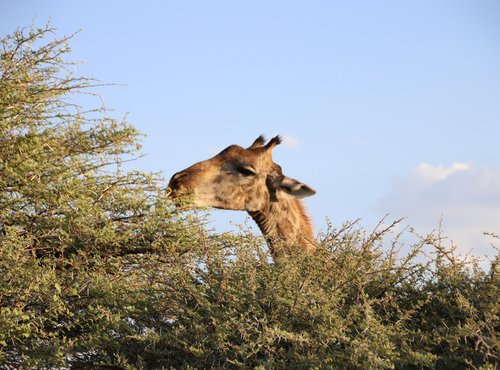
(296, 188)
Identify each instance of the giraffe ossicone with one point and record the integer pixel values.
(248, 179)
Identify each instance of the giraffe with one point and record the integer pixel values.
(247, 179)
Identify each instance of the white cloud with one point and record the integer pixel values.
(290, 141)
(466, 196)
(439, 173)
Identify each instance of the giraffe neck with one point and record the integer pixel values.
(286, 226)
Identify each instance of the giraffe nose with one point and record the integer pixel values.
(176, 183)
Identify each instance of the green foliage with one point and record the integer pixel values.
(98, 269)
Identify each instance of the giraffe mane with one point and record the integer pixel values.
(304, 215)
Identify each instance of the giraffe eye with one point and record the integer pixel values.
(246, 170)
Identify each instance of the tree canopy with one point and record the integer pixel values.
(98, 268)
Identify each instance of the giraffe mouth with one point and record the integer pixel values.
(177, 186)
(182, 197)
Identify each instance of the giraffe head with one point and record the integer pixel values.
(238, 179)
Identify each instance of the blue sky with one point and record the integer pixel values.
(388, 106)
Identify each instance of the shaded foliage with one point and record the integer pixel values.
(97, 269)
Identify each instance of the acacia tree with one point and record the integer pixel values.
(73, 224)
(97, 269)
